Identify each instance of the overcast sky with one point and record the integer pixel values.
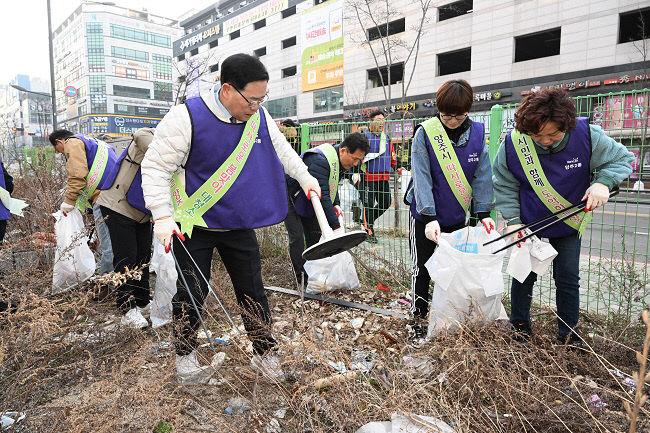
(23, 33)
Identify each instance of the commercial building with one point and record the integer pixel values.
(113, 69)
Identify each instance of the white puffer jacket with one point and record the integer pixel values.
(171, 145)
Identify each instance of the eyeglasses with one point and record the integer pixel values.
(255, 102)
(456, 117)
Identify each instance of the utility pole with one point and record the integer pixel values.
(50, 40)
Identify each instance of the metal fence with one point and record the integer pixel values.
(614, 263)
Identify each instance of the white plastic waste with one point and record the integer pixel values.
(534, 255)
(468, 279)
(163, 265)
(407, 423)
(74, 262)
(332, 273)
(348, 196)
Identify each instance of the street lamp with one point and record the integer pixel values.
(50, 43)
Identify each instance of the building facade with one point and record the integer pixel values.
(504, 48)
(113, 69)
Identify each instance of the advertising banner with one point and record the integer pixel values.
(255, 14)
(322, 46)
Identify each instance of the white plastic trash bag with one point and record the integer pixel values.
(348, 196)
(74, 262)
(331, 273)
(407, 423)
(534, 255)
(468, 279)
(163, 265)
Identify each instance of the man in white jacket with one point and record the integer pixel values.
(225, 159)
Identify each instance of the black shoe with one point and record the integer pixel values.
(418, 332)
(356, 213)
(572, 342)
(523, 331)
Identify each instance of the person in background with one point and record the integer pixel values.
(7, 183)
(227, 159)
(551, 160)
(451, 172)
(379, 165)
(129, 226)
(327, 164)
(291, 132)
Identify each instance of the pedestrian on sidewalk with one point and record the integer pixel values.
(451, 180)
(327, 164)
(129, 225)
(91, 165)
(231, 158)
(379, 163)
(551, 160)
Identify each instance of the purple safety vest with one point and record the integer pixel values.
(258, 198)
(448, 211)
(303, 207)
(381, 164)
(4, 212)
(112, 165)
(568, 171)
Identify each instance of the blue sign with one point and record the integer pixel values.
(128, 125)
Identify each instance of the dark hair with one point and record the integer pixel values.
(543, 106)
(59, 134)
(290, 123)
(454, 97)
(375, 114)
(240, 69)
(356, 141)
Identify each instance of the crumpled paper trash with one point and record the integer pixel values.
(534, 255)
(407, 423)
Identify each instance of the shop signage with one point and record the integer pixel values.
(255, 14)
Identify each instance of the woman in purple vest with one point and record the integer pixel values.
(569, 150)
(434, 206)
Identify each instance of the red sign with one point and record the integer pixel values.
(71, 91)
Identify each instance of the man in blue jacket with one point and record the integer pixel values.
(327, 164)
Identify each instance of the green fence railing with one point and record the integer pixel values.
(614, 266)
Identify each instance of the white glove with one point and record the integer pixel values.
(432, 231)
(596, 195)
(311, 184)
(339, 211)
(66, 208)
(356, 178)
(515, 233)
(164, 228)
(489, 224)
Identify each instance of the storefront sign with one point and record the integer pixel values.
(128, 125)
(625, 79)
(194, 39)
(255, 14)
(322, 46)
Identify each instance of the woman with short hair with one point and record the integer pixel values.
(452, 178)
(544, 165)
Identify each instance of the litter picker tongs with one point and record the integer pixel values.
(579, 206)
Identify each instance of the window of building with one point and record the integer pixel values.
(289, 72)
(260, 52)
(537, 45)
(393, 27)
(95, 38)
(97, 84)
(214, 43)
(289, 11)
(328, 99)
(162, 67)
(259, 24)
(634, 25)
(281, 108)
(234, 35)
(455, 61)
(455, 9)
(214, 68)
(396, 75)
(181, 57)
(289, 42)
(162, 91)
(194, 52)
(131, 34)
(131, 92)
(98, 103)
(129, 54)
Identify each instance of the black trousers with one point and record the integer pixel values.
(240, 254)
(378, 192)
(421, 250)
(301, 231)
(131, 243)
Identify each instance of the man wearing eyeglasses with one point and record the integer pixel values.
(225, 160)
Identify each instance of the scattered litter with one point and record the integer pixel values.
(158, 348)
(357, 323)
(218, 359)
(338, 366)
(617, 373)
(336, 379)
(597, 402)
(273, 426)
(383, 288)
(628, 381)
(202, 335)
(407, 423)
(237, 405)
(10, 418)
(221, 341)
(216, 382)
(280, 413)
(362, 360)
(421, 366)
(404, 302)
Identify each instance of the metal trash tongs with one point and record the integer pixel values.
(541, 220)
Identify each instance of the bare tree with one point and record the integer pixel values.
(12, 147)
(190, 73)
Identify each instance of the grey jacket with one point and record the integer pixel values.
(115, 197)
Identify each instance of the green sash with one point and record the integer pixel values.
(333, 161)
(448, 160)
(188, 211)
(525, 149)
(94, 176)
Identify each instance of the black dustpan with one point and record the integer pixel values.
(331, 244)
